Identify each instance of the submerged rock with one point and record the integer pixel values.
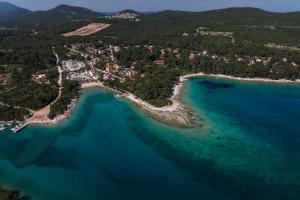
(6, 194)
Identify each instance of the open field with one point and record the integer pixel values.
(88, 30)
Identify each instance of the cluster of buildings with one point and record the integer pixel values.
(78, 70)
(257, 60)
(125, 16)
(40, 78)
(12, 125)
(104, 65)
(266, 61)
(90, 53)
(204, 53)
(113, 71)
(204, 31)
(72, 65)
(246, 60)
(102, 62)
(90, 75)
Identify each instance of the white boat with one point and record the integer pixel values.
(117, 96)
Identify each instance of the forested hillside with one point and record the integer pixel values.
(59, 14)
(246, 23)
(9, 11)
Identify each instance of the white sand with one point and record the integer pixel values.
(91, 84)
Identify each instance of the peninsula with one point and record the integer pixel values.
(156, 117)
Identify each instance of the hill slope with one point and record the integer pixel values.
(9, 11)
(250, 24)
(131, 12)
(58, 14)
(245, 16)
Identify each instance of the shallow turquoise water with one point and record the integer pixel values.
(249, 148)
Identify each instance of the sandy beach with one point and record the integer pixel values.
(176, 114)
(92, 84)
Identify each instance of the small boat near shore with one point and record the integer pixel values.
(117, 96)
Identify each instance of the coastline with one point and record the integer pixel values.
(41, 118)
(60, 118)
(176, 114)
(223, 76)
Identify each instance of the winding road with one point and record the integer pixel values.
(41, 116)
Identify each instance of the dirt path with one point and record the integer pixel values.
(41, 116)
(59, 82)
(17, 107)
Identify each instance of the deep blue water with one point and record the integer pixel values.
(248, 148)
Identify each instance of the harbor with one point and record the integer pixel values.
(13, 126)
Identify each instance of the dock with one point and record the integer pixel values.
(17, 129)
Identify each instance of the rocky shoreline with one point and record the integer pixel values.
(222, 76)
(60, 118)
(179, 114)
(176, 114)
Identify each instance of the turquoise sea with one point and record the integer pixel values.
(248, 148)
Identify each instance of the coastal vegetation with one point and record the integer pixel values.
(146, 61)
(21, 90)
(69, 92)
(10, 113)
(228, 41)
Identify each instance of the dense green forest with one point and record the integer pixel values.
(246, 23)
(26, 49)
(20, 90)
(10, 113)
(69, 92)
(252, 30)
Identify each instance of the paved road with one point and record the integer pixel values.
(60, 71)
